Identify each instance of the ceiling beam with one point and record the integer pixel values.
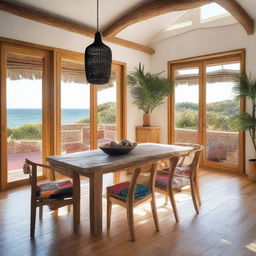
(237, 11)
(44, 18)
(158, 7)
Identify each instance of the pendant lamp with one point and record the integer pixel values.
(98, 59)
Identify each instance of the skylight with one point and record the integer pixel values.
(211, 11)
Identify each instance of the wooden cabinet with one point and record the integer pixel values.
(148, 134)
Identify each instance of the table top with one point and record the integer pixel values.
(89, 161)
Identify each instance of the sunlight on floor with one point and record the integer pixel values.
(62, 211)
(251, 247)
(225, 241)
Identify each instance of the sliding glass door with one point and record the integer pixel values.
(221, 141)
(47, 107)
(108, 110)
(88, 115)
(22, 111)
(186, 116)
(75, 107)
(202, 106)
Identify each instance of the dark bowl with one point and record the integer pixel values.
(115, 151)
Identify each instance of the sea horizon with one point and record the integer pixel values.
(19, 116)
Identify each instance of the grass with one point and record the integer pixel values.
(29, 131)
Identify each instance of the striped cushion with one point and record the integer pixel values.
(178, 170)
(120, 191)
(177, 182)
(55, 190)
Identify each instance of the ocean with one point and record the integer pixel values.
(18, 117)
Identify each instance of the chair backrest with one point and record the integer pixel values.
(187, 159)
(30, 168)
(195, 162)
(144, 175)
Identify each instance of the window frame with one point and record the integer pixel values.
(51, 102)
(202, 62)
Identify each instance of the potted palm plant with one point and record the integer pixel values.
(245, 87)
(148, 91)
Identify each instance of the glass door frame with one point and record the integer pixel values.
(120, 68)
(240, 168)
(202, 62)
(171, 101)
(46, 114)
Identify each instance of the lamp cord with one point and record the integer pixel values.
(97, 15)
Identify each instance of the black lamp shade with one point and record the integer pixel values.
(98, 60)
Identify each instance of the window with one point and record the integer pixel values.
(212, 11)
(203, 105)
(88, 115)
(48, 108)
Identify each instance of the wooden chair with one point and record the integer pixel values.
(178, 176)
(132, 194)
(55, 194)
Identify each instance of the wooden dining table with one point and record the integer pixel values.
(94, 163)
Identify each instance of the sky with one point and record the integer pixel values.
(185, 93)
(28, 94)
(190, 93)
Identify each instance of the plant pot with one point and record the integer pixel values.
(252, 170)
(146, 120)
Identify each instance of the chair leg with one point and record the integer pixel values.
(198, 192)
(109, 210)
(174, 207)
(130, 219)
(154, 212)
(41, 212)
(32, 220)
(193, 192)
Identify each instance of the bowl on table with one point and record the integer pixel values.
(116, 149)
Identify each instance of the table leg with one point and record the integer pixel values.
(96, 203)
(76, 203)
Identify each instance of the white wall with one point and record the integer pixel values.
(25, 30)
(202, 42)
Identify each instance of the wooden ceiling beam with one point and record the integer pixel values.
(237, 11)
(70, 26)
(158, 7)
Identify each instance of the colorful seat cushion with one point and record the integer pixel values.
(120, 191)
(55, 190)
(177, 182)
(185, 171)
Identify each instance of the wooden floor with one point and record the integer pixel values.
(226, 225)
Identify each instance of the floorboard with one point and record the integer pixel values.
(226, 224)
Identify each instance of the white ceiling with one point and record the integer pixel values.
(146, 32)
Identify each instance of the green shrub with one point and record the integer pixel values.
(106, 114)
(29, 131)
(186, 119)
(84, 121)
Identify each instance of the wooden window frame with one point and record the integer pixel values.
(46, 113)
(202, 62)
(51, 102)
